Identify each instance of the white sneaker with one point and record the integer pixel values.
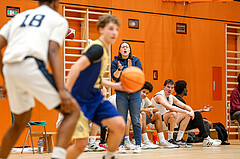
(86, 149)
(167, 144)
(184, 144)
(137, 149)
(122, 149)
(150, 145)
(208, 142)
(129, 145)
(95, 147)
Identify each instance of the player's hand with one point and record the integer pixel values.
(207, 108)
(129, 63)
(118, 86)
(66, 101)
(192, 115)
(149, 113)
(120, 66)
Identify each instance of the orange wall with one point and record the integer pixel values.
(189, 57)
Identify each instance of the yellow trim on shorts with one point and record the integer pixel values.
(82, 129)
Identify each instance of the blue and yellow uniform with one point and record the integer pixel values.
(86, 88)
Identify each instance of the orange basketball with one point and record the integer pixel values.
(132, 79)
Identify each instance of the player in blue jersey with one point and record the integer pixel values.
(84, 81)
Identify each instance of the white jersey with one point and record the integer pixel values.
(160, 107)
(29, 33)
(145, 103)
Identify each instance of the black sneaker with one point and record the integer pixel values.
(111, 158)
(173, 142)
(184, 144)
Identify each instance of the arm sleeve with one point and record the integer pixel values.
(114, 67)
(59, 32)
(94, 53)
(6, 29)
(148, 103)
(234, 101)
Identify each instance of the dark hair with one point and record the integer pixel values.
(169, 81)
(49, 1)
(180, 86)
(238, 79)
(105, 19)
(120, 55)
(148, 86)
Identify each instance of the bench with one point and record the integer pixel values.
(213, 133)
(41, 135)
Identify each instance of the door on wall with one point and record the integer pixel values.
(138, 49)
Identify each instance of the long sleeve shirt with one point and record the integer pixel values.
(235, 100)
(124, 63)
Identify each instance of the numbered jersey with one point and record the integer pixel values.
(29, 33)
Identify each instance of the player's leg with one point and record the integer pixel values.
(198, 122)
(144, 124)
(182, 121)
(13, 133)
(66, 128)
(93, 145)
(148, 119)
(169, 118)
(116, 127)
(42, 86)
(107, 115)
(80, 137)
(77, 148)
(21, 105)
(103, 134)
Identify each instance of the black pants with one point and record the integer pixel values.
(198, 122)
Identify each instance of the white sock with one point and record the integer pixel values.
(59, 153)
(145, 137)
(161, 137)
(93, 139)
(127, 138)
(109, 155)
(180, 135)
(170, 135)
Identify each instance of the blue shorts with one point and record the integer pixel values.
(98, 110)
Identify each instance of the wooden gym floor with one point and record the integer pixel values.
(197, 152)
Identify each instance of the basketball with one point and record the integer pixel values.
(71, 33)
(132, 79)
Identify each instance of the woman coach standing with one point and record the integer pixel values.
(127, 101)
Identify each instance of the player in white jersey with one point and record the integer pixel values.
(32, 38)
(164, 101)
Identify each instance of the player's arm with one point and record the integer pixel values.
(55, 64)
(160, 99)
(181, 104)
(206, 108)
(117, 85)
(3, 43)
(94, 53)
(82, 63)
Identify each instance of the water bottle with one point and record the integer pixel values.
(154, 138)
(40, 146)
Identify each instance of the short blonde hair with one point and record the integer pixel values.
(105, 19)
